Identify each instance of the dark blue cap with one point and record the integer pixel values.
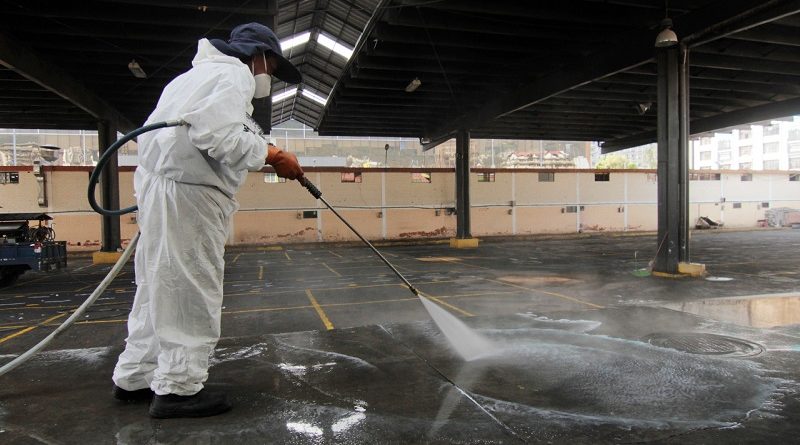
(254, 38)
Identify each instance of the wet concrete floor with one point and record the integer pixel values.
(322, 345)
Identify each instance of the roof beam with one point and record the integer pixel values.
(633, 50)
(763, 79)
(564, 11)
(108, 12)
(431, 18)
(25, 61)
(776, 34)
(703, 83)
(745, 64)
(760, 113)
(244, 8)
(695, 91)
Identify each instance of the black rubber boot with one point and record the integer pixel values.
(139, 395)
(202, 404)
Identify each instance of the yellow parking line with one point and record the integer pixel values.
(320, 312)
(364, 286)
(30, 328)
(266, 309)
(554, 294)
(357, 303)
(309, 306)
(329, 268)
(287, 256)
(260, 273)
(113, 320)
(84, 287)
(236, 258)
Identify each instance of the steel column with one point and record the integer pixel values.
(262, 108)
(109, 184)
(463, 230)
(672, 160)
(683, 148)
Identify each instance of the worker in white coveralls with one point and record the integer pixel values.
(185, 185)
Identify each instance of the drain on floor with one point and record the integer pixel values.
(705, 344)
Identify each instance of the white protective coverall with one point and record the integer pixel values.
(185, 184)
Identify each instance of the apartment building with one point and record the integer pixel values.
(775, 146)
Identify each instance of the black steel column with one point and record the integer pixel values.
(262, 108)
(683, 144)
(463, 230)
(673, 130)
(109, 186)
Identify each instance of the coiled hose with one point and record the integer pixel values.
(112, 151)
(126, 254)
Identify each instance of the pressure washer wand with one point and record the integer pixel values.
(318, 194)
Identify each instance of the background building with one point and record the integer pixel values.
(775, 146)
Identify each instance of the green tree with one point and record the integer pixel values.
(615, 161)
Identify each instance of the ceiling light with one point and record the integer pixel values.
(315, 97)
(667, 36)
(334, 46)
(413, 85)
(137, 70)
(285, 94)
(296, 40)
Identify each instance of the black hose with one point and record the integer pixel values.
(112, 151)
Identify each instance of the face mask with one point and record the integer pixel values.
(263, 83)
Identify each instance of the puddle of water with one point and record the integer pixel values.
(760, 311)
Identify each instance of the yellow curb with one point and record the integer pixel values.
(667, 275)
(692, 269)
(465, 243)
(105, 257)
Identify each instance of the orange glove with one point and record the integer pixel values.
(285, 164)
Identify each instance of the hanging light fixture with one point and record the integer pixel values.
(137, 70)
(413, 85)
(667, 36)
